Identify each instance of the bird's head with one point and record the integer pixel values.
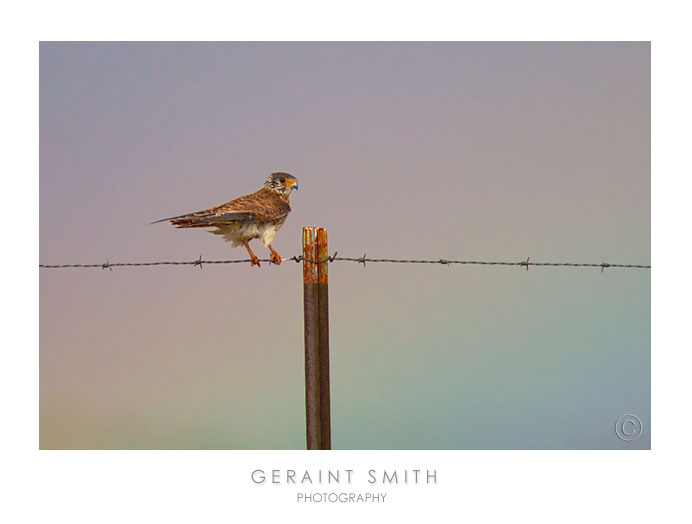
(282, 183)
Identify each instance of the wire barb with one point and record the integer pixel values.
(525, 263)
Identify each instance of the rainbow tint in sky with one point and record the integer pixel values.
(483, 151)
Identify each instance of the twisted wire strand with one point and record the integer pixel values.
(359, 260)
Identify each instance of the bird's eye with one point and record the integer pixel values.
(282, 180)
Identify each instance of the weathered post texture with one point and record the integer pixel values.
(316, 314)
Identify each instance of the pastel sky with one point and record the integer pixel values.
(485, 151)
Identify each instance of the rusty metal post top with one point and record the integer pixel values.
(309, 269)
(314, 255)
(322, 256)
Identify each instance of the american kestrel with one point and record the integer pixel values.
(257, 215)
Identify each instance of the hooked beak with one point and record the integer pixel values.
(294, 185)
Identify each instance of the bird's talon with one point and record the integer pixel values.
(254, 261)
(275, 259)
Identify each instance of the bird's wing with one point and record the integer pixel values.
(261, 206)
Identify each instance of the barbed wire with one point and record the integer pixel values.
(360, 260)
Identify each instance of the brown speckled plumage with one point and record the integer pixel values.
(257, 215)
